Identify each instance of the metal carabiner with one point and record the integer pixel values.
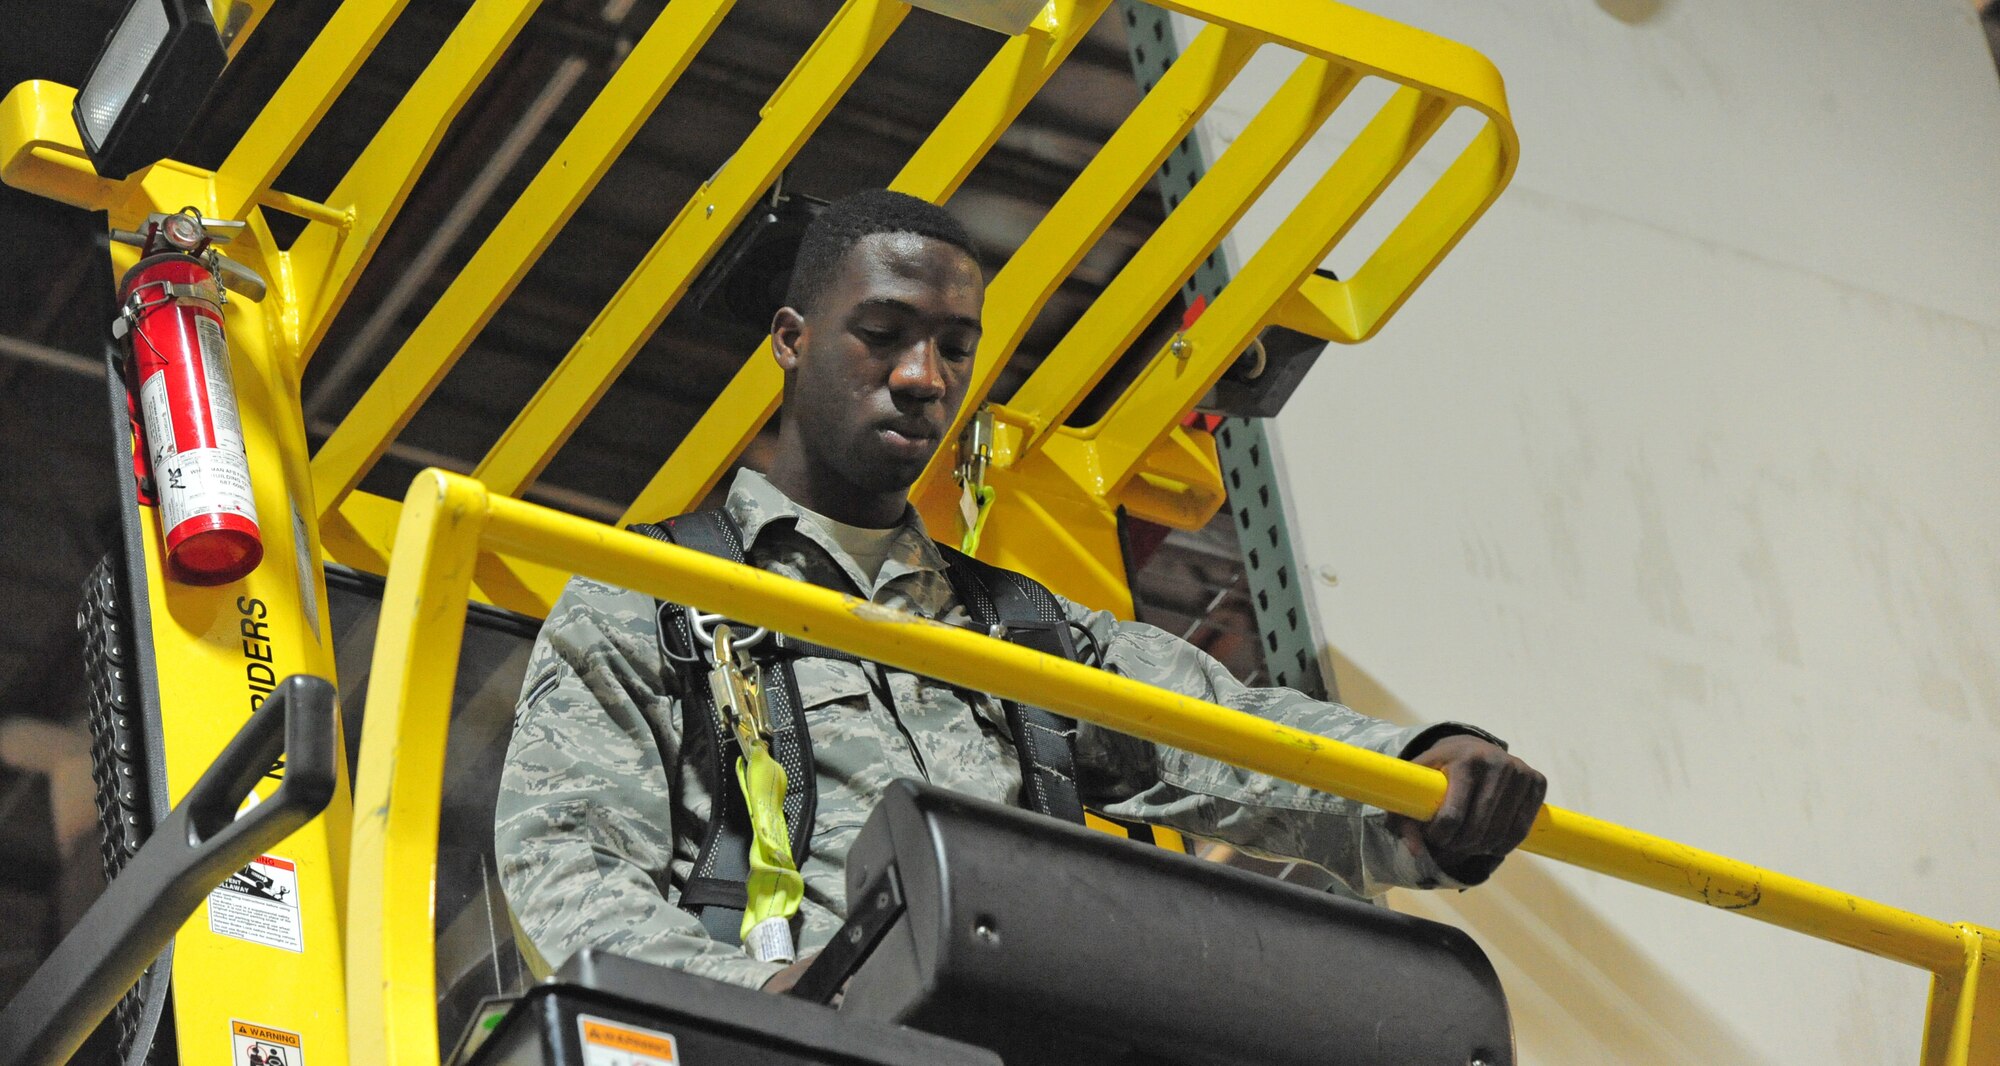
(739, 693)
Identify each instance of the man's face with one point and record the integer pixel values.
(877, 368)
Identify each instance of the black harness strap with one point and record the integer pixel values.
(1044, 741)
(717, 892)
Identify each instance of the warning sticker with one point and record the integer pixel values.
(608, 1043)
(159, 418)
(262, 1045)
(259, 903)
(203, 481)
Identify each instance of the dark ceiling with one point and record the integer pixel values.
(56, 513)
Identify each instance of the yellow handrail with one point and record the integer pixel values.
(448, 520)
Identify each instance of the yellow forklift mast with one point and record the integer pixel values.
(344, 970)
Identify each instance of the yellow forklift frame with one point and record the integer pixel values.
(362, 989)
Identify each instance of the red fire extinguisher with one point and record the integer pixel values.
(186, 415)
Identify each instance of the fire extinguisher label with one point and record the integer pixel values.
(159, 419)
(221, 386)
(203, 481)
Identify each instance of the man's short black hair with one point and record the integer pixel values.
(846, 221)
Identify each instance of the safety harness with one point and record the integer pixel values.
(1000, 602)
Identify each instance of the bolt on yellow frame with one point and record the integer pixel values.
(448, 521)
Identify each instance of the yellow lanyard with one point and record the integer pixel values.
(775, 887)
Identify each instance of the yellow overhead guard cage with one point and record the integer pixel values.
(362, 988)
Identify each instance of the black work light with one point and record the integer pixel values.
(148, 83)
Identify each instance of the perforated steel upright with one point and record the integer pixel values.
(1256, 505)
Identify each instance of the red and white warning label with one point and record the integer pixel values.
(159, 419)
(609, 1043)
(263, 1045)
(259, 903)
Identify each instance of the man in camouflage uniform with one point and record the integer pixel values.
(600, 818)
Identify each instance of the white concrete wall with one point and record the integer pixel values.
(1683, 473)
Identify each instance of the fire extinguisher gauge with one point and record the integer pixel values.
(184, 232)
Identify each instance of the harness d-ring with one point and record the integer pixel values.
(703, 624)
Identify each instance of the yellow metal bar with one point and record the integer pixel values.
(1417, 244)
(1353, 310)
(504, 258)
(814, 86)
(1116, 460)
(907, 642)
(1127, 162)
(989, 105)
(759, 598)
(310, 210)
(1368, 43)
(327, 260)
(933, 173)
(298, 105)
(1441, 68)
(1962, 1027)
(362, 534)
(1320, 306)
(1118, 316)
(398, 788)
(42, 153)
(1190, 364)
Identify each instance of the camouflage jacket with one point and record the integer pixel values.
(599, 818)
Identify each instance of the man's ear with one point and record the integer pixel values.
(787, 329)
